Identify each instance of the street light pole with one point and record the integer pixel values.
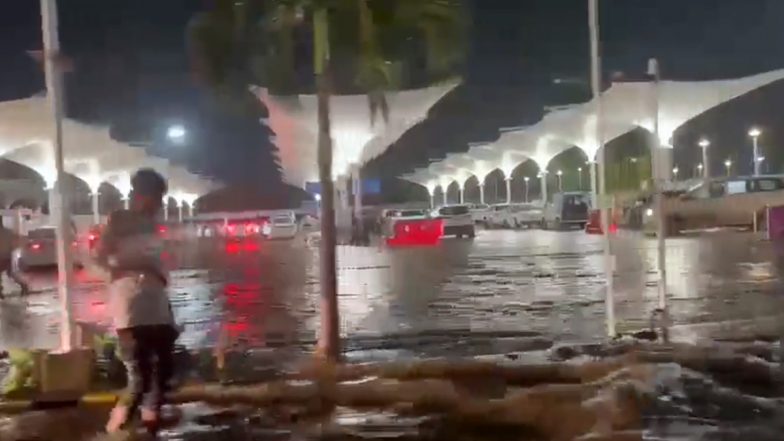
(728, 166)
(54, 97)
(525, 184)
(560, 180)
(755, 134)
(596, 87)
(509, 190)
(580, 179)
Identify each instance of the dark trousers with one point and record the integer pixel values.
(7, 266)
(148, 355)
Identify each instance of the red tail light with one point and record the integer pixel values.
(35, 246)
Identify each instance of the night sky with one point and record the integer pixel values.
(132, 73)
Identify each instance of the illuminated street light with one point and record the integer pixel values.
(526, 179)
(580, 180)
(675, 173)
(755, 133)
(176, 133)
(699, 169)
(728, 166)
(704, 143)
(560, 180)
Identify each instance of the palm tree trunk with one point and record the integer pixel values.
(329, 338)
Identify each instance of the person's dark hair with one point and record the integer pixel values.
(148, 182)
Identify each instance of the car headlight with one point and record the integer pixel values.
(649, 212)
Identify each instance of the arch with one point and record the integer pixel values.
(109, 198)
(495, 187)
(472, 189)
(568, 162)
(453, 192)
(526, 169)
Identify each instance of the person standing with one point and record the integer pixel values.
(10, 252)
(130, 250)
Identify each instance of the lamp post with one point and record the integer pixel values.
(675, 171)
(54, 82)
(559, 173)
(704, 144)
(755, 134)
(596, 89)
(728, 166)
(525, 184)
(176, 133)
(580, 178)
(699, 169)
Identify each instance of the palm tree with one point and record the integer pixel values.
(240, 41)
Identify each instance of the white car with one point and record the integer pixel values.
(40, 250)
(457, 220)
(480, 213)
(517, 216)
(281, 226)
(393, 216)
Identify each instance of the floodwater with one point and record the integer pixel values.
(456, 298)
(507, 296)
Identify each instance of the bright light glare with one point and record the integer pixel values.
(176, 133)
(649, 212)
(704, 143)
(755, 132)
(317, 197)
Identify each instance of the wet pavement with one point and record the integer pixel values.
(439, 300)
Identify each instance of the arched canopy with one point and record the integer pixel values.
(625, 106)
(89, 151)
(358, 136)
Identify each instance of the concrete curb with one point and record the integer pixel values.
(13, 407)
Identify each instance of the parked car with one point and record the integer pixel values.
(391, 217)
(480, 213)
(457, 220)
(725, 202)
(569, 209)
(281, 226)
(39, 249)
(498, 214)
(522, 215)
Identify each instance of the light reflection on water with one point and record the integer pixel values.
(550, 283)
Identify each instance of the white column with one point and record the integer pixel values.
(126, 202)
(594, 185)
(461, 194)
(96, 207)
(190, 209)
(179, 212)
(705, 164)
(166, 209)
(543, 186)
(357, 180)
(444, 195)
(481, 192)
(756, 160)
(509, 190)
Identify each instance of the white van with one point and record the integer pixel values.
(570, 209)
(726, 202)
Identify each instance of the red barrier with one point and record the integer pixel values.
(419, 232)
